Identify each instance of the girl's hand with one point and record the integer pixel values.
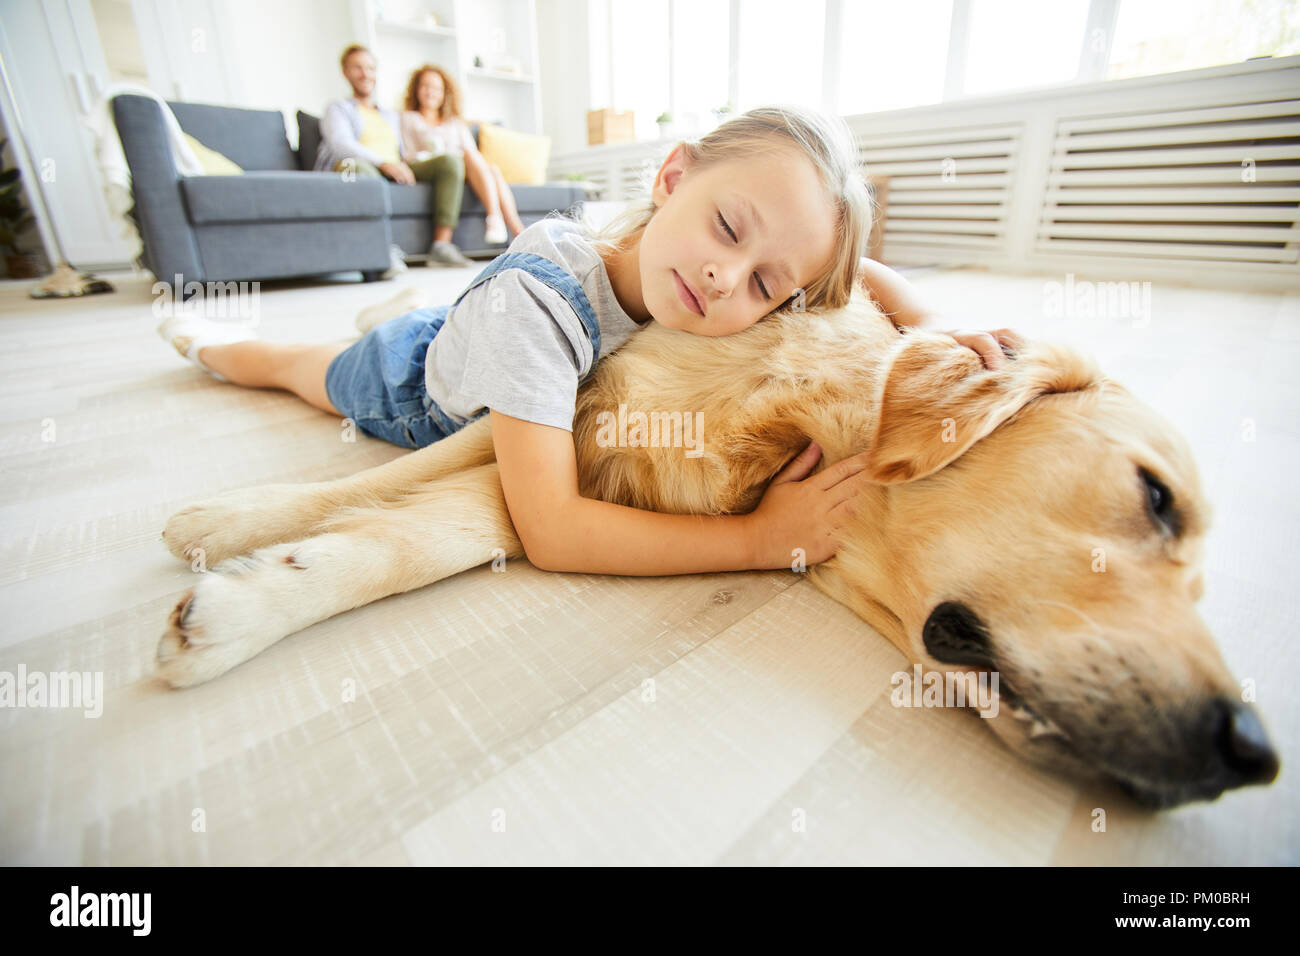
(993, 348)
(805, 514)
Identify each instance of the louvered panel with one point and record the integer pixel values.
(950, 149)
(1283, 233)
(1196, 133)
(597, 174)
(963, 195)
(948, 189)
(998, 181)
(903, 240)
(1167, 213)
(1270, 109)
(927, 167)
(944, 226)
(1168, 185)
(965, 207)
(1192, 195)
(1159, 176)
(1180, 155)
(1172, 250)
(635, 177)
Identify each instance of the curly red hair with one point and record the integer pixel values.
(451, 93)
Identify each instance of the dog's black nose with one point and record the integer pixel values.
(1241, 744)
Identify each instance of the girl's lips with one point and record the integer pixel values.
(685, 295)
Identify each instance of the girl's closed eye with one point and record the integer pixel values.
(723, 223)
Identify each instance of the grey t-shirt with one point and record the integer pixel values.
(516, 345)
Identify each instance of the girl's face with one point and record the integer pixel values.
(742, 237)
(429, 92)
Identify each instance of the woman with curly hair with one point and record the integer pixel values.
(432, 127)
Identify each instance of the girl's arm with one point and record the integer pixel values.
(563, 531)
(897, 297)
(899, 300)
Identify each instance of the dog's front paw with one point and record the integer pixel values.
(237, 610)
(237, 522)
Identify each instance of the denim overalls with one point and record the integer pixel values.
(378, 381)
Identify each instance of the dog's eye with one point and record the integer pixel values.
(1159, 502)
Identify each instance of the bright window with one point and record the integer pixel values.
(781, 53)
(701, 61)
(1162, 36)
(1018, 44)
(893, 55)
(640, 64)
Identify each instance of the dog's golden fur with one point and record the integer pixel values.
(1012, 494)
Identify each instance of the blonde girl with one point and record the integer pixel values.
(735, 225)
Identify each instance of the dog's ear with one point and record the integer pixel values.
(938, 399)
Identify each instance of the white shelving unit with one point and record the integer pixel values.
(488, 46)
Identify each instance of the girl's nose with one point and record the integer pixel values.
(721, 279)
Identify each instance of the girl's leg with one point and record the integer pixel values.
(508, 207)
(296, 368)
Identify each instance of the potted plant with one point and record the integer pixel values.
(665, 121)
(14, 221)
(580, 179)
(723, 112)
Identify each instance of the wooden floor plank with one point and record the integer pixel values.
(391, 734)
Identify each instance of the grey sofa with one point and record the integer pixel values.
(411, 207)
(279, 219)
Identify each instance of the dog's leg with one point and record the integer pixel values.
(241, 521)
(247, 603)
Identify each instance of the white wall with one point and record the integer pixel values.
(285, 55)
(563, 50)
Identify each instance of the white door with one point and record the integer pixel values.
(59, 57)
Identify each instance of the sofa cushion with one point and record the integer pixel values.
(417, 199)
(252, 139)
(413, 200)
(212, 162)
(271, 196)
(308, 140)
(538, 199)
(520, 156)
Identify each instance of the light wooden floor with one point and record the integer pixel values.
(528, 717)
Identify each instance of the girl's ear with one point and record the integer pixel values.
(938, 399)
(670, 173)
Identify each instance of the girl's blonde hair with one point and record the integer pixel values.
(824, 139)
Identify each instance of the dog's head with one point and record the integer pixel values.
(1045, 525)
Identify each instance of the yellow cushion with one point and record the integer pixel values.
(213, 163)
(521, 156)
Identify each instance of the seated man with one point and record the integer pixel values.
(359, 136)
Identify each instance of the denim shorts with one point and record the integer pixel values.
(378, 381)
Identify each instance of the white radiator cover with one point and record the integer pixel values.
(1189, 177)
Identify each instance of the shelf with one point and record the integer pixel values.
(497, 74)
(413, 29)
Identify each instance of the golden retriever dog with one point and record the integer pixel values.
(1036, 522)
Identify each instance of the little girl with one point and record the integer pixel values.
(767, 206)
